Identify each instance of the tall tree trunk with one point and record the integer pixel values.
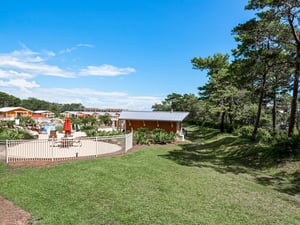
(296, 76)
(274, 114)
(222, 127)
(260, 102)
(295, 93)
(230, 112)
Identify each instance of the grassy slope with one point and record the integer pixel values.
(207, 181)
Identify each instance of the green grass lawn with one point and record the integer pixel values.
(213, 179)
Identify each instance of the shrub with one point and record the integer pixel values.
(284, 146)
(95, 133)
(87, 127)
(14, 134)
(141, 136)
(91, 133)
(171, 137)
(264, 135)
(159, 136)
(244, 131)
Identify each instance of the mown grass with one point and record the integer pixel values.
(213, 179)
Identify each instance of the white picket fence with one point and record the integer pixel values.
(63, 149)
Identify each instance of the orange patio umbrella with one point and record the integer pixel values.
(67, 126)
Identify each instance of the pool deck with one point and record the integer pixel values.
(45, 149)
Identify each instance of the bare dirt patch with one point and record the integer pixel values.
(11, 214)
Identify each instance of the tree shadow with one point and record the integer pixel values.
(285, 182)
(230, 154)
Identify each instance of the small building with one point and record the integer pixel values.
(11, 113)
(45, 113)
(79, 114)
(70, 114)
(169, 121)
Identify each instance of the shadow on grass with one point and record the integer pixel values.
(230, 154)
(285, 182)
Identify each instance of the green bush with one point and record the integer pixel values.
(159, 136)
(171, 137)
(87, 127)
(91, 133)
(244, 131)
(264, 135)
(95, 133)
(14, 134)
(141, 136)
(285, 146)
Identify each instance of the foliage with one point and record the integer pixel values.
(220, 92)
(88, 123)
(25, 121)
(7, 123)
(285, 146)
(244, 131)
(87, 127)
(184, 103)
(263, 135)
(95, 133)
(37, 104)
(157, 136)
(141, 136)
(14, 134)
(281, 20)
(7, 100)
(106, 120)
(160, 136)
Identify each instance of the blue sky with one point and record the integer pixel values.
(126, 54)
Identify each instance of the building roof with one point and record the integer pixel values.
(153, 115)
(7, 109)
(42, 111)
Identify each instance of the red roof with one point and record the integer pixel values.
(38, 116)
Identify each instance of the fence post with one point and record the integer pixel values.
(96, 146)
(6, 151)
(126, 142)
(52, 153)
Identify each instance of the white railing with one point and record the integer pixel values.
(64, 148)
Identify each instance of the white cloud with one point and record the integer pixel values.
(20, 83)
(106, 70)
(15, 74)
(67, 50)
(85, 45)
(27, 61)
(19, 68)
(71, 49)
(49, 53)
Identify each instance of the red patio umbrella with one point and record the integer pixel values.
(67, 126)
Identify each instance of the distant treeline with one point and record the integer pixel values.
(33, 104)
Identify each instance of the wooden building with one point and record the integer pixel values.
(169, 121)
(10, 113)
